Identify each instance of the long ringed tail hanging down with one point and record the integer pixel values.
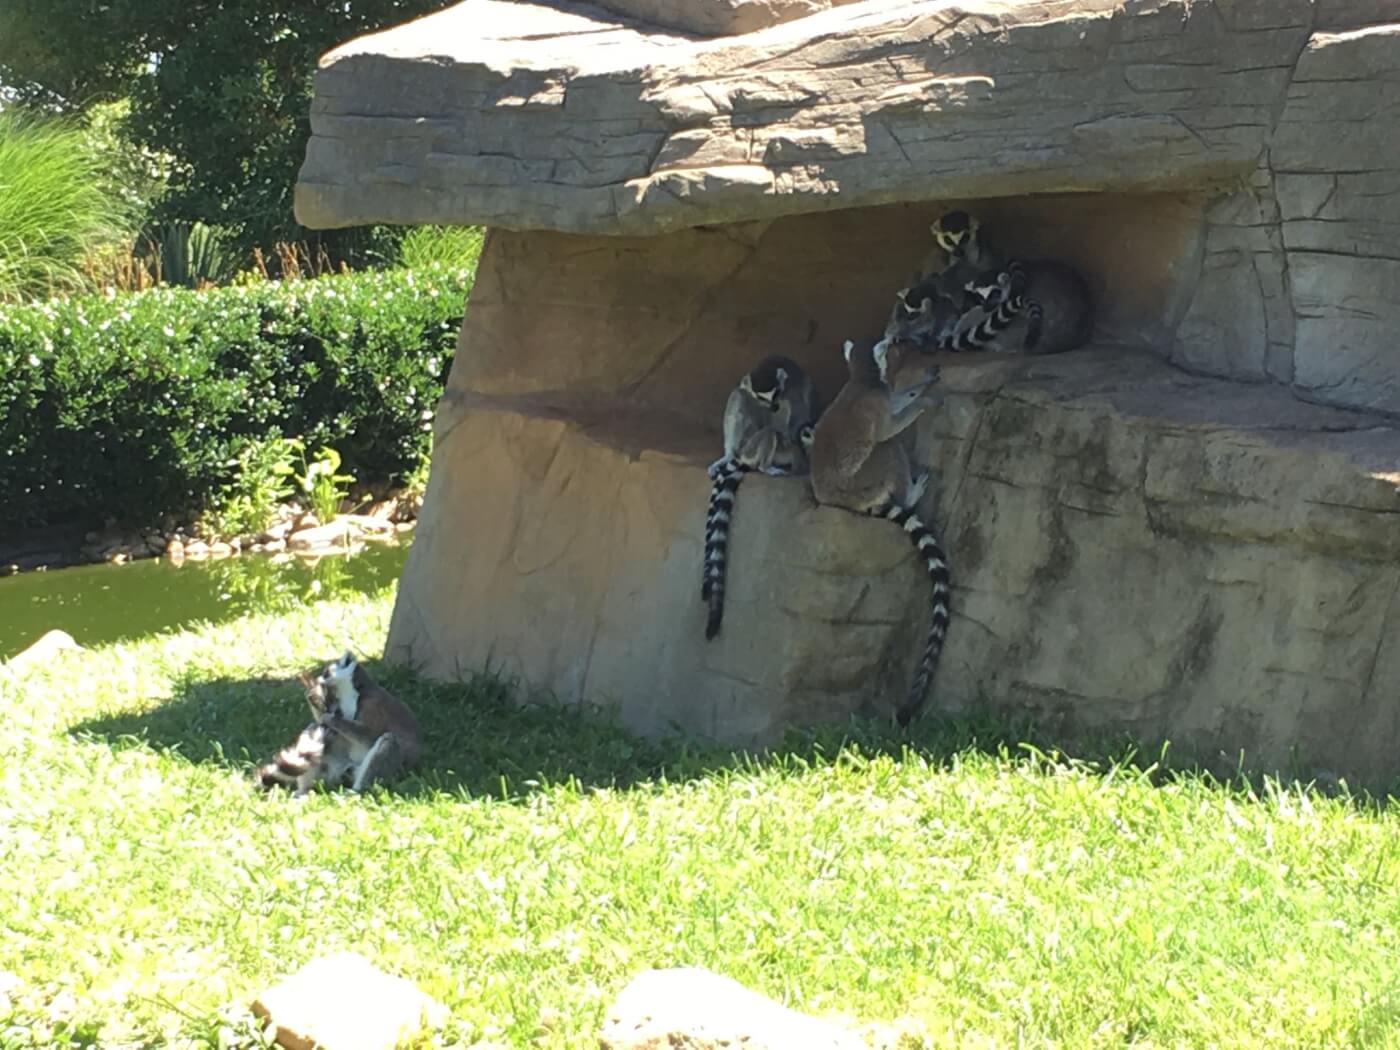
(722, 496)
(936, 563)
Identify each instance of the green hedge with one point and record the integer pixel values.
(134, 405)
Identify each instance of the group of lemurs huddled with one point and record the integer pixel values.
(965, 297)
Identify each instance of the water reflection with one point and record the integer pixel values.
(107, 603)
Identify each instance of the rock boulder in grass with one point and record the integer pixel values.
(343, 1002)
(45, 650)
(1184, 529)
(694, 1009)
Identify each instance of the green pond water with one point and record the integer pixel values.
(109, 603)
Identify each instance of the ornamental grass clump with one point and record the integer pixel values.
(56, 207)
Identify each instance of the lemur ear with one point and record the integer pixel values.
(847, 350)
(781, 382)
(880, 351)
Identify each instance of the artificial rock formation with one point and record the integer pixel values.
(1183, 529)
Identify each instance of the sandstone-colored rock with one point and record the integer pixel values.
(175, 550)
(559, 117)
(1133, 550)
(695, 1009)
(196, 549)
(343, 1002)
(220, 549)
(384, 509)
(318, 537)
(367, 523)
(49, 645)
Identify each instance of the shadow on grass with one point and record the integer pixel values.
(481, 742)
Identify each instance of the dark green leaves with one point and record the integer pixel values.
(134, 405)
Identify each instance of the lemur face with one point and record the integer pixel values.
(337, 673)
(954, 232)
(766, 395)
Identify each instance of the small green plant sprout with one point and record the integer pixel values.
(320, 483)
(415, 481)
(447, 246)
(262, 480)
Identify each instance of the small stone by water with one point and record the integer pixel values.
(44, 650)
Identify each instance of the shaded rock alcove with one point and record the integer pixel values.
(1185, 529)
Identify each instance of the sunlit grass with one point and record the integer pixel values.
(441, 246)
(542, 857)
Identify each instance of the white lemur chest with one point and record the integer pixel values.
(347, 705)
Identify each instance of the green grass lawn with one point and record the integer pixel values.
(980, 893)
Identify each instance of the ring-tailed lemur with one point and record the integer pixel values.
(940, 310)
(1051, 295)
(971, 322)
(361, 732)
(857, 465)
(761, 422)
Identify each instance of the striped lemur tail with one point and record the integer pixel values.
(936, 563)
(1000, 294)
(1035, 320)
(728, 475)
(987, 329)
(291, 764)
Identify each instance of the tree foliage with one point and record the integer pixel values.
(222, 88)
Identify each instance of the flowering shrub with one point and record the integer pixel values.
(138, 404)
